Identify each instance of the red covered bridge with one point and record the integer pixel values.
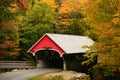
(63, 44)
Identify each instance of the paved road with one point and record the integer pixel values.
(25, 74)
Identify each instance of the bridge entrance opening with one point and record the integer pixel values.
(49, 58)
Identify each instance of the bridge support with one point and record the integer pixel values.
(64, 63)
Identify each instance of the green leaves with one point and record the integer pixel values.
(5, 13)
(38, 21)
(2, 37)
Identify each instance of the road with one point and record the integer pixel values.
(25, 74)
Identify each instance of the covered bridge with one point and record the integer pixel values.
(63, 44)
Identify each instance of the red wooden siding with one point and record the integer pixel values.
(46, 43)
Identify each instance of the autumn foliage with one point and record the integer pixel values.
(103, 17)
(98, 19)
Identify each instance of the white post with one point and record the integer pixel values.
(64, 63)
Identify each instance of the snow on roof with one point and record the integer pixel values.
(71, 43)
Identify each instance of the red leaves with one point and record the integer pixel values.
(24, 4)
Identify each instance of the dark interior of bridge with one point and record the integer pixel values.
(51, 58)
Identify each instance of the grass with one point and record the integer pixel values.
(2, 71)
(47, 78)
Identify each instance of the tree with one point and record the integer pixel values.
(70, 19)
(38, 21)
(5, 16)
(51, 3)
(8, 29)
(103, 17)
(77, 25)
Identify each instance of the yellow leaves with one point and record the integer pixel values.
(70, 6)
(90, 10)
(98, 11)
(83, 1)
(66, 21)
(66, 5)
(116, 19)
(105, 31)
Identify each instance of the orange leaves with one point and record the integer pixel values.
(24, 4)
(12, 48)
(105, 31)
(116, 19)
(104, 18)
(13, 8)
(107, 59)
(99, 47)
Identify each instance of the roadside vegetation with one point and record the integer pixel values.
(62, 75)
(47, 78)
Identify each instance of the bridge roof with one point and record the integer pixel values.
(62, 43)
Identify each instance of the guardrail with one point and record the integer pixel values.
(17, 64)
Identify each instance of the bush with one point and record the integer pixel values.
(102, 73)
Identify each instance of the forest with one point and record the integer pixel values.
(23, 22)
